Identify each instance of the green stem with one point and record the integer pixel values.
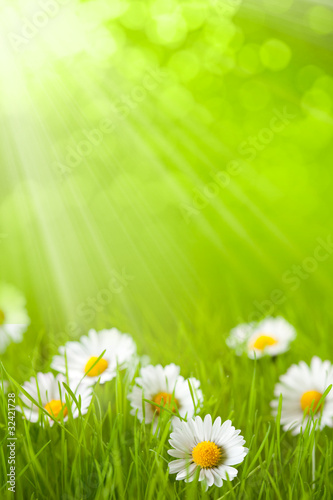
(314, 463)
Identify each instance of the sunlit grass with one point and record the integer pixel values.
(109, 454)
(194, 272)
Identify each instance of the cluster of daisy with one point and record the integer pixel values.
(307, 398)
(199, 445)
(204, 449)
(96, 357)
(213, 448)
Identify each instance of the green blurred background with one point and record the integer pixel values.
(139, 155)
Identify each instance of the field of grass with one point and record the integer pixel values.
(166, 171)
(110, 454)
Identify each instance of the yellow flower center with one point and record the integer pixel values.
(207, 454)
(165, 399)
(2, 317)
(96, 370)
(55, 407)
(263, 341)
(311, 399)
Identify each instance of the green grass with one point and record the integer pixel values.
(109, 454)
(181, 284)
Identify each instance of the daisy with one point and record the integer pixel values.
(302, 388)
(14, 319)
(82, 356)
(4, 384)
(270, 336)
(165, 387)
(211, 448)
(48, 391)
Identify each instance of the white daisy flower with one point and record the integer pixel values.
(213, 448)
(270, 336)
(14, 318)
(82, 356)
(4, 384)
(302, 388)
(48, 391)
(164, 386)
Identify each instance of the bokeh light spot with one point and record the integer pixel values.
(249, 58)
(316, 101)
(135, 16)
(320, 19)
(275, 54)
(277, 7)
(185, 65)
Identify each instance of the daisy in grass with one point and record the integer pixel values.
(14, 319)
(4, 384)
(48, 391)
(80, 359)
(165, 387)
(270, 336)
(213, 448)
(302, 388)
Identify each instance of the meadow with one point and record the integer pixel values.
(108, 453)
(166, 172)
